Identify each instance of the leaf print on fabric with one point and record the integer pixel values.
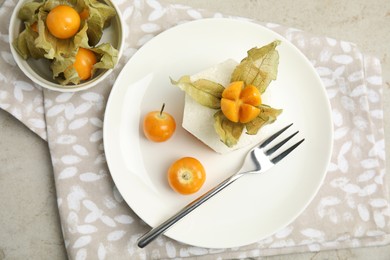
(102, 252)
(379, 219)
(92, 97)
(171, 250)
(82, 108)
(357, 76)
(82, 241)
(342, 59)
(74, 198)
(96, 122)
(348, 103)
(337, 118)
(379, 203)
(377, 114)
(67, 173)
(96, 136)
(325, 203)
(69, 111)
(144, 39)
(340, 132)
(55, 110)
(78, 123)
(154, 4)
(379, 179)
(325, 55)
(100, 158)
(108, 221)
(312, 233)
(194, 14)
(116, 235)
(368, 190)
(37, 123)
(8, 58)
(366, 176)
(72, 221)
(92, 216)
(124, 219)
(80, 150)
(360, 123)
(363, 104)
(126, 14)
(282, 243)
(90, 205)
(342, 162)
(66, 139)
(363, 212)
(346, 46)
(90, 176)
(64, 97)
(86, 229)
(369, 163)
(118, 197)
(16, 112)
(110, 203)
(331, 41)
(324, 71)
(375, 80)
(284, 232)
(196, 251)
(358, 91)
(18, 94)
(156, 14)
(21, 86)
(70, 159)
(81, 254)
(150, 27)
(351, 188)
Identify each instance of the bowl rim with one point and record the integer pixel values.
(42, 82)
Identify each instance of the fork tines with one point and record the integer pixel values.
(274, 148)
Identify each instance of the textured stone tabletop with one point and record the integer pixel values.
(29, 224)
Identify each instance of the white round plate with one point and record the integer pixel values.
(255, 206)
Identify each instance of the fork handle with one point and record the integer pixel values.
(155, 232)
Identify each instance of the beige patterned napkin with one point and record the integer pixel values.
(350, 210)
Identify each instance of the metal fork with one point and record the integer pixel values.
(258, 160)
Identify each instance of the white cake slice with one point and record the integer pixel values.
(198, 119)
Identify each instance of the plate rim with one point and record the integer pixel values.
(244, 22)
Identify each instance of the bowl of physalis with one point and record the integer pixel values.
(66, 45)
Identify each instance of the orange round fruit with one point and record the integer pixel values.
(85, 59)
(239, 102)
(159, 126)
(186, 175)
(63, 22)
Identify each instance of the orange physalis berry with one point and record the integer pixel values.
(239, 102)
(85, 59)
(63, 21)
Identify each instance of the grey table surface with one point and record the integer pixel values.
(29, 222)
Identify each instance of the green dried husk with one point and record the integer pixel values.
(259, 68)
(203, 91)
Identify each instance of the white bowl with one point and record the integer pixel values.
(39, 71)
